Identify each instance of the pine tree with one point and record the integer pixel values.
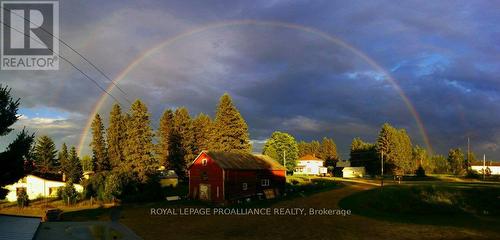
(164, 136)
(99, 150)
(116, 136)
(74, 169)
(45, 156)
(64, 158)
(17, 152)
(364, 154)
(397, 148)
(182, 139)
(139, 150)
(281, 146)
(230, 132)
(328, 150)
(202, 125)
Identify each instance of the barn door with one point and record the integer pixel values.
(204, 191)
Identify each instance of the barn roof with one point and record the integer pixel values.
(244, 161)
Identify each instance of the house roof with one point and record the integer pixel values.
(310, 158)
(244, 161)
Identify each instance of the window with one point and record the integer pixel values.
(244, 186)
(204, 176)
(264, 182)
(204, 162)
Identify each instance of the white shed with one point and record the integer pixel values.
(353, 172)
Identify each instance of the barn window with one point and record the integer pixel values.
(204, 176)
(244, 186)
(264, 182)
(204, 162)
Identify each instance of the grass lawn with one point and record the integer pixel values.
(462, 204)
(366, 223)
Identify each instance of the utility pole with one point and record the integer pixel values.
(382, 168)
(484, 166)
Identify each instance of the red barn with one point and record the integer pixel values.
(225, 177)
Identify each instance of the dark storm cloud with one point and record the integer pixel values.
(444, 55)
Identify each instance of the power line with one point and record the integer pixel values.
(69, 62)
(78, 53)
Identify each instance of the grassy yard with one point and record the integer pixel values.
(447, 204)
(371, 219)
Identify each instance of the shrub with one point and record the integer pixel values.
(69, 194)
(420, 172)
(22, 198)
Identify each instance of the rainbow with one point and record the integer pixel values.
(145, 54)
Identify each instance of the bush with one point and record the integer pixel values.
(69, 194)
(420, 172)
(22, 198)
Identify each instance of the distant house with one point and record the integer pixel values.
(353, 172)
(310, 165)
(492, 167)
(36, 187)
(225, 177)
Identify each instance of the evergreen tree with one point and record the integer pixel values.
(395, 144)
(86, 163)
(64, 158)
(45, 156)
(328, 150)
(309, 148)
(139, 150)
(230, 132)
(99, 150)
(364, 154)
(303, 148)
(17, 152)
(74, 167)
(281, 146)
(202, 127)
(116, 136)
(164, 138)
(182, 141)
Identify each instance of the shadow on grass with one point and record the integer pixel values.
(459, 205)
(302, 188)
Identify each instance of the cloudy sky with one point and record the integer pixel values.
(282, 63)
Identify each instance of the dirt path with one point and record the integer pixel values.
(290, 227)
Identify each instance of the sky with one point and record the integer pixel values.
(277, 60)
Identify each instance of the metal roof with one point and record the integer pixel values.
(18, 228)
(244, 161)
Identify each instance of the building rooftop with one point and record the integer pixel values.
(310, 157)
(233, 160)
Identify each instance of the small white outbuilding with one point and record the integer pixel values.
(353, 172)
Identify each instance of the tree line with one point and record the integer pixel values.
(286, 150)
(128, 153)
(401, 157)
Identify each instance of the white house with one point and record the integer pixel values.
(353, 172)
(310, 165)
(494, 167)
(36, 187)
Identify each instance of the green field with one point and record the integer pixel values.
(413, 210)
